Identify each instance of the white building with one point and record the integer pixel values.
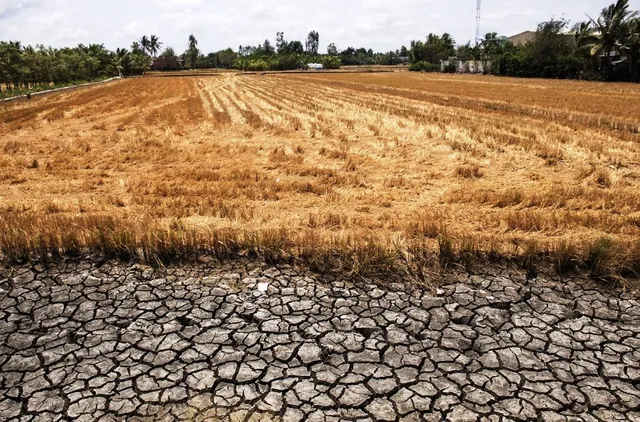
(469, 66)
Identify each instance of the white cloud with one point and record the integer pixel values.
(132, 28)
(74, 35)
(377, 24)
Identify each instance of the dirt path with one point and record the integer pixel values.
(252, 342)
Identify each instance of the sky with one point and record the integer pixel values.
(379, 24)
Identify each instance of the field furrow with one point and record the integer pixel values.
(325, 165)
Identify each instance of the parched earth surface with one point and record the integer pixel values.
(246, 341)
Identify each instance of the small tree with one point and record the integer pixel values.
(193, 52)
(268, 49)
(168, 52)
(295, 47)
(281, 44)
(313, 43)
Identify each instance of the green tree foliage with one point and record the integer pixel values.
(286, 55)
(267, 49)
(39, 67)
(313, 43)
(281, 44)
(613, 35)
(330, 62)
(168, 52)
(145, 44)
(423, 66)
(433, 50)
(491, 44)
(551, 52)
(295, 47)
(193, 53)
(154, 45)
(605, 48)
(469, 52)
(226, 58)
(131, 62)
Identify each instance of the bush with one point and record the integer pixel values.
(330, 62)
(286, 62)
(424, 67)
(257, 65)
(450, 68)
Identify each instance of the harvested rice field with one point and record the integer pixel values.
(361, 171)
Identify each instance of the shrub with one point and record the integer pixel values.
(257, 65)
(450, 68)
(424, 67)
(330, 62)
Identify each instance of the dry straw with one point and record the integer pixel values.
(361, 173)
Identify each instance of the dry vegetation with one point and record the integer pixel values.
(363, 171)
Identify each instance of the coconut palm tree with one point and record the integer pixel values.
(583, 35)
(193, 51)
(193, 43)
(154, 45)
(611, 29)
(447, 40)
(632, 48)
(136, 47)
(491, 43)
(144, 43)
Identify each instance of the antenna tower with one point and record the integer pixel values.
(478, 22)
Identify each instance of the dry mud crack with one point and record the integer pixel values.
(85, 341)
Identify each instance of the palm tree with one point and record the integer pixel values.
(632, 47)
(193, 43)
(491, 43)
(122, 61)
(135, 46)
(447, 40)
(193, 51)
(154, 45)
(583, 35)
(145, 43)
(610, 31)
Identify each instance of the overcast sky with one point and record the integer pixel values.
(379, 24)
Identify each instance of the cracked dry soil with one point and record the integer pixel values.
(246, 341)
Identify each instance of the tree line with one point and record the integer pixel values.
(28, 68)
(287, 55)
(605, 47)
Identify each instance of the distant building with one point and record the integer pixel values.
(315, 66)
(527, 36)
(522, 38)
(166, 63)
